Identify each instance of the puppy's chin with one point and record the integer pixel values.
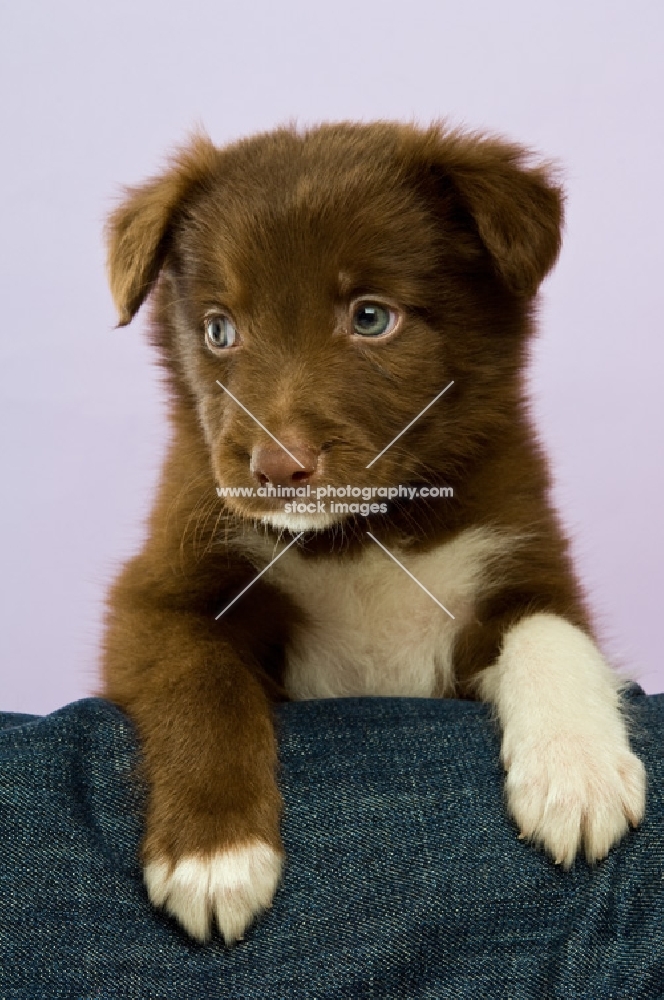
(300, 522)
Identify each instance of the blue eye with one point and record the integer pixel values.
(372, 319)
(219, 331)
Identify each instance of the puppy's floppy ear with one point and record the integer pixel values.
(517, 208)
(137, 232)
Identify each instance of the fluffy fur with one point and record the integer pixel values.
(282, 235)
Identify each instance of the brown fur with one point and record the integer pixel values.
(458, 230)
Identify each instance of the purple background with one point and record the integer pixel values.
(94, 95)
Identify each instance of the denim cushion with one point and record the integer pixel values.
(404, 876)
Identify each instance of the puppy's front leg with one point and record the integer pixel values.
(572, 779)
(212, 847)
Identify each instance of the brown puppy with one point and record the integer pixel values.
(314, 292)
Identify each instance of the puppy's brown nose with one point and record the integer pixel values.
(271, 464)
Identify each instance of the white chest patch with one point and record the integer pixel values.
(370, 630)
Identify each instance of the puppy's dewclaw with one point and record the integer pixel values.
(232, 887)
(572, 781)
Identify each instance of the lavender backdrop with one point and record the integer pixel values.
(93, 97)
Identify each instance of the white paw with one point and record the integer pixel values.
(568, 792)
(572, 780)
(231, 886)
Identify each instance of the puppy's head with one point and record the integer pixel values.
(317, 291)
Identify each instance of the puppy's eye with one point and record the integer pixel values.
(373, 319)
(219, 331)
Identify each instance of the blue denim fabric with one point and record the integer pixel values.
(404, 878)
